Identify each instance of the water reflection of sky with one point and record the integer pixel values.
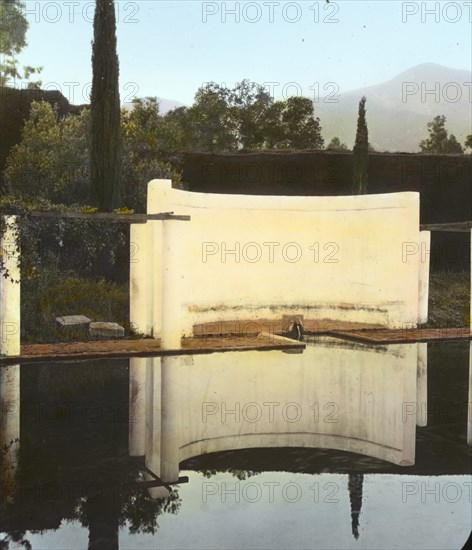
(258, 488)
(393, 515)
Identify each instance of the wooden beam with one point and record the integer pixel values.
(455, 227)
(103, 216)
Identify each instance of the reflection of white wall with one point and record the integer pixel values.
(354, 258)
(348, 399)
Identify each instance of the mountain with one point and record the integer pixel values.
(399, 110)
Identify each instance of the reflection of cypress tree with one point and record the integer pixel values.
(355, 484)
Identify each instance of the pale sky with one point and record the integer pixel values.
(398, 512)
(170, 48)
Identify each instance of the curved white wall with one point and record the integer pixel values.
(254, 257)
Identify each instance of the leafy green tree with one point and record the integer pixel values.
(105, 107)
(361, 152)
(468, 142)
(336, 145)
(273, 127)
(439, 142)
(301, 129)
(13, 27)
(291, 124)
(176, 132)
(244, 117)
(250, 103)
(147, 139)
(213, 122)
(51, 160)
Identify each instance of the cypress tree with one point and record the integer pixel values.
(105, 110)
(361, 152)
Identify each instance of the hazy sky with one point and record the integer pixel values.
(170, 48)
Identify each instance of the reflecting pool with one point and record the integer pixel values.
(341, 446)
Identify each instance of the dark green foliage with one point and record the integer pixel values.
(449, 299)
(468, 142)
(51, 160)
(245, 117)
(336, 145)
(439, 142)
(361, 153)
(106, 132)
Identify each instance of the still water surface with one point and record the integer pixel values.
(342, 446)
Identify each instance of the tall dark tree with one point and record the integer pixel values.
(105, 110)
(361, 152)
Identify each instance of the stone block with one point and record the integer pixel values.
(74, 321)
(106, 330)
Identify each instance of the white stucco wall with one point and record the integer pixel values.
(251, 257)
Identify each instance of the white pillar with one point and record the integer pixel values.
(141, 277)
(159, 200)
(10, 291)
(137, 405)
(423, 290)
(171, 331)
(422, 386)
